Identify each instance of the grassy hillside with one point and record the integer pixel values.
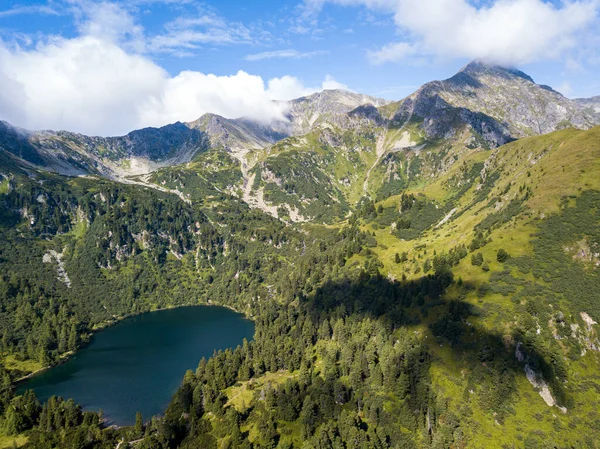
(454, 305)
(541, 208)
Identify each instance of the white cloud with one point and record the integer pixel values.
(33, 9)
(565, 88)
(108, 21)
(331, 83)
(84, 84)
(392, 52)
(204, 28)
(91, 85)
(299, 29)
(188, 95)
(199, 26)
(283, 54)
(502, 31)
(103, 83)
(289, 87)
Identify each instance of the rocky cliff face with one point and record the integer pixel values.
(329, 106)
(498, 103)
(591, 104)
(240, 135)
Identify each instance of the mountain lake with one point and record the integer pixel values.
(138, 364)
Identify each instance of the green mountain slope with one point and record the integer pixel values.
(376, 152)
(460, 312)
(410, 289)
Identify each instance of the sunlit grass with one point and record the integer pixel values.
(12, 441)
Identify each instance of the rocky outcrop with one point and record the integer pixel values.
(330, 106)
(239, 136)
(497, 103)
(592, 104)
(54, 256)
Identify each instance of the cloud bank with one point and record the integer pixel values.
(102, 83)
(508, 32)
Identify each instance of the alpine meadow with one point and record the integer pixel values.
(421, 273)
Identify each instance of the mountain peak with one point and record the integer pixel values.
(500, 103)
(478, 68)
(341, 96)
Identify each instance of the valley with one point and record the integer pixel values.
(421, 273)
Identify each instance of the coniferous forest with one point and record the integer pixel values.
(415, 281)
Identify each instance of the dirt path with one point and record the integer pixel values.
(128, 443)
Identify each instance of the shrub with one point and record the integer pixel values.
(477, 260)
(502, 256)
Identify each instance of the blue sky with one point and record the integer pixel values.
(107, 67)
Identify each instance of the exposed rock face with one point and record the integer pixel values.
(54, 256)
(329, 106)
(500, 104)
(368, 112)
(74, 154)
(536, 381)
(592, 103)
(240, 135)
(441, 120)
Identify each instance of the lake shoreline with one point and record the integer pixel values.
(64, 358)
(117, 369)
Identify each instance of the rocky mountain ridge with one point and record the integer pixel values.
(238, 136)
(328, 106)
(498, 103)
(481, 106)
(591, 103)
(138, 152)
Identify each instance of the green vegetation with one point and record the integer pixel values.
(411, 323)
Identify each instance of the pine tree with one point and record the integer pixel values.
(139, 425)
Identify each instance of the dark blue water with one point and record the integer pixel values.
(138, 364)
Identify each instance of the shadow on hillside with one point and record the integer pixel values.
(487, 359)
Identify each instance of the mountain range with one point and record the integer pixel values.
(496, 105)
(422, 273)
